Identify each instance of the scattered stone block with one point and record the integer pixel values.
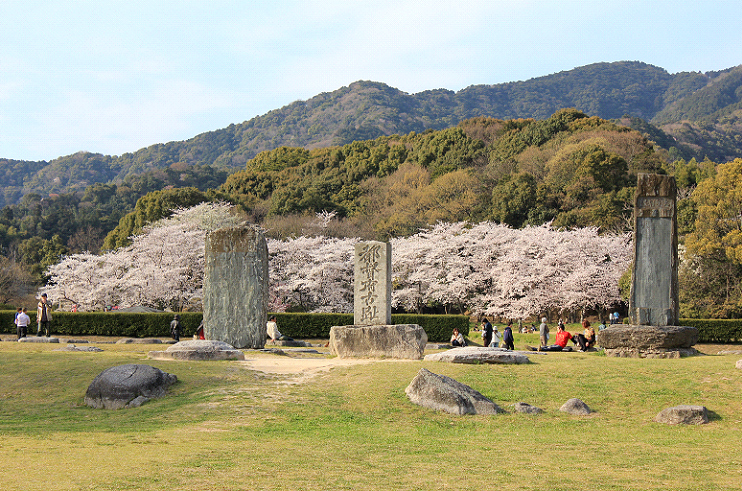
(398, 341)
(739, 364)
(72, 347)
(648, 337)
(139, 341)
(292, 344)
(684, 414)
(442, 393)
(575, 407)
(38, 339)
(127, 386)
(475, 355)
(198, 350)
(522, 407)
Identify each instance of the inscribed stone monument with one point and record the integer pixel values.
(653, 303)
(373, 334)
(372, 300)
(236, 286)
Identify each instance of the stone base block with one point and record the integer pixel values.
(199, 351)
(648, 337)
(650, 353)
(38, 339)
(476, 355)
(399, 341)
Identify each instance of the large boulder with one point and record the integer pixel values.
(198, 350)
(477, 355)
(126, 386)
(647, 337)
(442, 393)
(683, 414)
(399, 341)
(575, 407)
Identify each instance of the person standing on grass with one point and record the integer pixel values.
(495, 339)
(43, 316)
(175, 328)
(22, 321)
(508, 340)
(543, 332)
(486, 332)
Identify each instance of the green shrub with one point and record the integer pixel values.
(716, 330)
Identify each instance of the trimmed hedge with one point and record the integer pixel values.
(296, 325)
(134, 325)
(716, 330)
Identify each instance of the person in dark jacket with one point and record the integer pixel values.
(175, 328)
(486, 332)
(507, 337)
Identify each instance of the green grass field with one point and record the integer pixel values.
(225, 427)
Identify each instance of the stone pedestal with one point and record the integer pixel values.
(236, 286)
(648, 341)
(400, 341)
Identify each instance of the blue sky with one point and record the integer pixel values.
(115, 76)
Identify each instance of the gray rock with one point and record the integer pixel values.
(432, 346)
(442, 393)
(399, 341)
(475, 355)
(684, 414)
(38, 339)
(139, 341)
(75, 341)
(292, 344)
(647, 337)
(235, 286)
(576, 407)
(198, 350)
(72, 347)
(127, 386)
(522, 407)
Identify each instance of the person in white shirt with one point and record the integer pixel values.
(272, 330)
(22, 322)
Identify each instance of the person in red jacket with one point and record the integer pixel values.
(562, 338)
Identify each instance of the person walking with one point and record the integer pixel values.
(543, 332)
(486, 332)
(43, 316)
(507, 337)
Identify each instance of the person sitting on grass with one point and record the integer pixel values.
(272, 330)
(562, 337)
(586, 340)
(457, 339)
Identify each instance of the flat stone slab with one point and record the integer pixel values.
(739, 364)
(683, 414)
(290, 344)
(730, 352)
(139, 341)
(398, 341)
(198, 350)
(647, 337)
(72, 347)
(471, 354)
(38, 339)
(442, 393)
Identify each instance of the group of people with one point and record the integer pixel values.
(43, 319)
(491, 336)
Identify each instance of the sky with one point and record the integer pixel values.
(116, 76)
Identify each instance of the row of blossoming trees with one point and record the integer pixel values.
(485, 268)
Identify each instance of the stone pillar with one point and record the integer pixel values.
(236, 286)
(372, 293)
(654, 286)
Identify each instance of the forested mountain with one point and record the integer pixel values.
(690, 114)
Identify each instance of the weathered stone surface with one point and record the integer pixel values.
(139, 341)
(576, 407)
(650, 353)
(739, 364)
(442, 393)
(648, 337)
(654, 289)
(198, 350)
(730, 352)
(372, 292)
(432, 346)
(236, 286)
(292, 344)
(684, 414)
(522, 407)
(38, 339)
(401, 341)
(127, 386)
(472, 354)
(72, 347)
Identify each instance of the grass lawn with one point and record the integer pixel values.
(225, 427)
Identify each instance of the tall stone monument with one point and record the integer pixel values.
(372, 293)
(653, 302)
(373, 335)
(236, 286)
